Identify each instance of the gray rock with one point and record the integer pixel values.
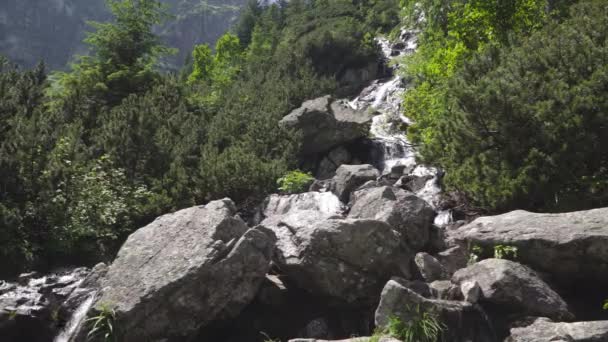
(453, 259)
(571, 247)
(287, 214)
(544, 330)
(443, 289)
(325, 124)
(185, 270)
(349, 177)
(462, 320)
(514, 287)
(317, 328)
(429, 267)
(328, 165)
(345, 259)
(405, 212)
(471, 291)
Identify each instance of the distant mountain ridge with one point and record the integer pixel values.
(53, 30)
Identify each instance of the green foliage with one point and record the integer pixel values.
(605, 306)
(88, 156)
(524, 124)
(102, 327)
(478, 253)
(505, 252)
(424, 326)
(295, 182)
(124, 54)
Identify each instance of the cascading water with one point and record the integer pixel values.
(385, 98)
(69, 332)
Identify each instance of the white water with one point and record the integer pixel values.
(77, 319)
(385, 98)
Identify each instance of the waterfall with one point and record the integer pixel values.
(78, 317)
(385, 97)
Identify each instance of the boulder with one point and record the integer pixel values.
(544, 330)
(514, 288)
(571, 247)
(463, 321)
(430, 269)
(453, 259)
(443, 289)
(185, 270)
(349, 177)
(406, 213)
(328, 165)
(289, 213)
(346, 259)
(325, 124)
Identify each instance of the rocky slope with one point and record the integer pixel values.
(371, 239)
(52, 31)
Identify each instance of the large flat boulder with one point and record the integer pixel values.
(571, 247)
(349, 260)
(325, 124)
(544, 330)
(405, 212)
(185, 270)
(462, 321)
(514, 287)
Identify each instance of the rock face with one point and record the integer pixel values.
(515, 288)
(462, 320)
(345, 259)
(544, 330)
(185, 270)
(404, 211)
(349, 177)
(325, 124)
(572, 247)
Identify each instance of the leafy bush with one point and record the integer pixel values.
(295, 182)
(510, 102)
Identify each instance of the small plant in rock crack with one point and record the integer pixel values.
(268, 338)
(424, 326)
(505, 252)
(102, 327)
(475, 255)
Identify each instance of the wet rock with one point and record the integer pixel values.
(463, 320)
(349, 177)
(514, 288)
(185, 270)
(571, 247)
(405, 212)
(325, 124)
(35, 308)
(429, 267)
(544, 330)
